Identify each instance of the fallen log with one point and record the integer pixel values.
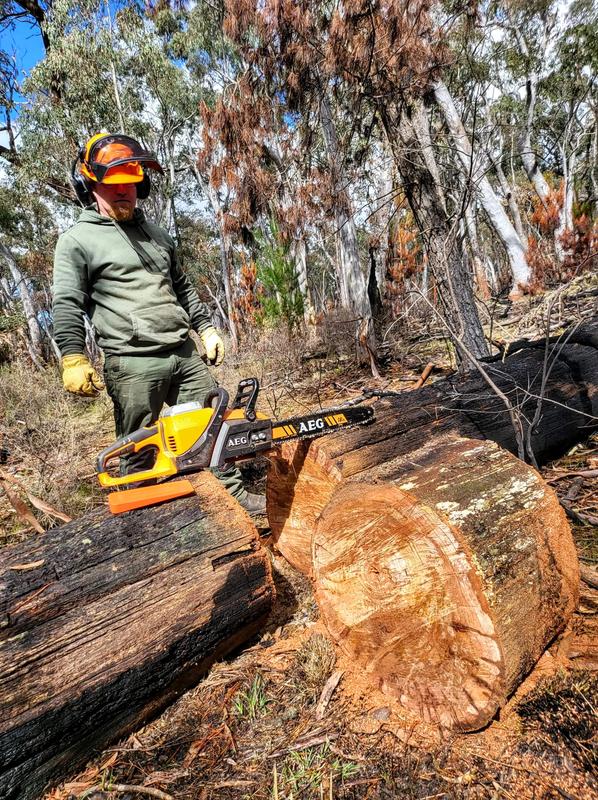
(104, 621)
(442, 564)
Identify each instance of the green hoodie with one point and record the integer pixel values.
(125, 276)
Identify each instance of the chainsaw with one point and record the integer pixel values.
(190, 437)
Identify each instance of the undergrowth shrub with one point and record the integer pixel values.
(578, 244)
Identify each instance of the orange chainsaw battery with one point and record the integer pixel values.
(119, 502)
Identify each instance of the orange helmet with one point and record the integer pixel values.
(115, 158)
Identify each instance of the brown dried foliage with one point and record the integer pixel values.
(247, 297)
(579, 243)
(295, 51)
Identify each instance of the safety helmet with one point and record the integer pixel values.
(112, 158)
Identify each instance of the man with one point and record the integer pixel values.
(122, 271)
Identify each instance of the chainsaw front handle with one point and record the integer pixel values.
(134, 443)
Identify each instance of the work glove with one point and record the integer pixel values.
(79, 377)
(214, 346)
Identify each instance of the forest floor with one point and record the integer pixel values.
(283, 718)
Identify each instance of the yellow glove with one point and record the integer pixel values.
(214, 346)
(79, 377)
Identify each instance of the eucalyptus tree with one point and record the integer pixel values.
(109, 67)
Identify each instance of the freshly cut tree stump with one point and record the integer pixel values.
(446, 580)
(107, 619)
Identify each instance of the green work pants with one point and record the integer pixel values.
(139, 385)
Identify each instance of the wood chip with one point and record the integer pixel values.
(327, 692)
(27, 567)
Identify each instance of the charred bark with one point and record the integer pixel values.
(105, 620)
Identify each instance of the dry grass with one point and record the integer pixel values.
(561, 709)
(53, 439)
(312, 666)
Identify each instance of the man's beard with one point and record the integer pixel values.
(121, 212)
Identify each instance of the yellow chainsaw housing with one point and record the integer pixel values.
(172, 436)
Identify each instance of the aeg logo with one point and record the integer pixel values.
(311, 425)
(237, 441)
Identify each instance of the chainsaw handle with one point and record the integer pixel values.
(200, 454)
(131, 443)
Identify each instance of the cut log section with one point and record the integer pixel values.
(446, 581)
(442, 564)
(107, 619)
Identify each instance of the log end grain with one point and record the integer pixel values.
(400, 595)
(445, 583)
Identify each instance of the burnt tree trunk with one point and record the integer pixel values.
(105, 620)
(442, 564)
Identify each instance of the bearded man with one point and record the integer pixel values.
(121, 271)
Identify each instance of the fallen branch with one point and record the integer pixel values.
(424, 376)
(588, 575)
(327, 692)
(126, 787)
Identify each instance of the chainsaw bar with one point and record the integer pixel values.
(320, 423)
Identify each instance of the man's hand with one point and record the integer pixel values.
(214, 346)
(79, 377)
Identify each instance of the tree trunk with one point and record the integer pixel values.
(479, 267)
(28, 304)
(227, 262)
(509, 193)
(304, 476)
(411, 144)
(352, 283)
(475, 174)
(226, 254)
(526, 151)
(299, 254)
(107, 619)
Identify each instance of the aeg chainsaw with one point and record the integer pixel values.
(190, 437)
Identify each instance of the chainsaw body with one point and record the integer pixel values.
(190, 437)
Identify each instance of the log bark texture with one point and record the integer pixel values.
(105, 620)
(443, 565)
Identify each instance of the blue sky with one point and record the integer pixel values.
(24, 42)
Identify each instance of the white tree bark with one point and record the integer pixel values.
(509, 193)
(352, 282)
(27, 302)
(526, 151)
(475, 173)
(299, 255)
